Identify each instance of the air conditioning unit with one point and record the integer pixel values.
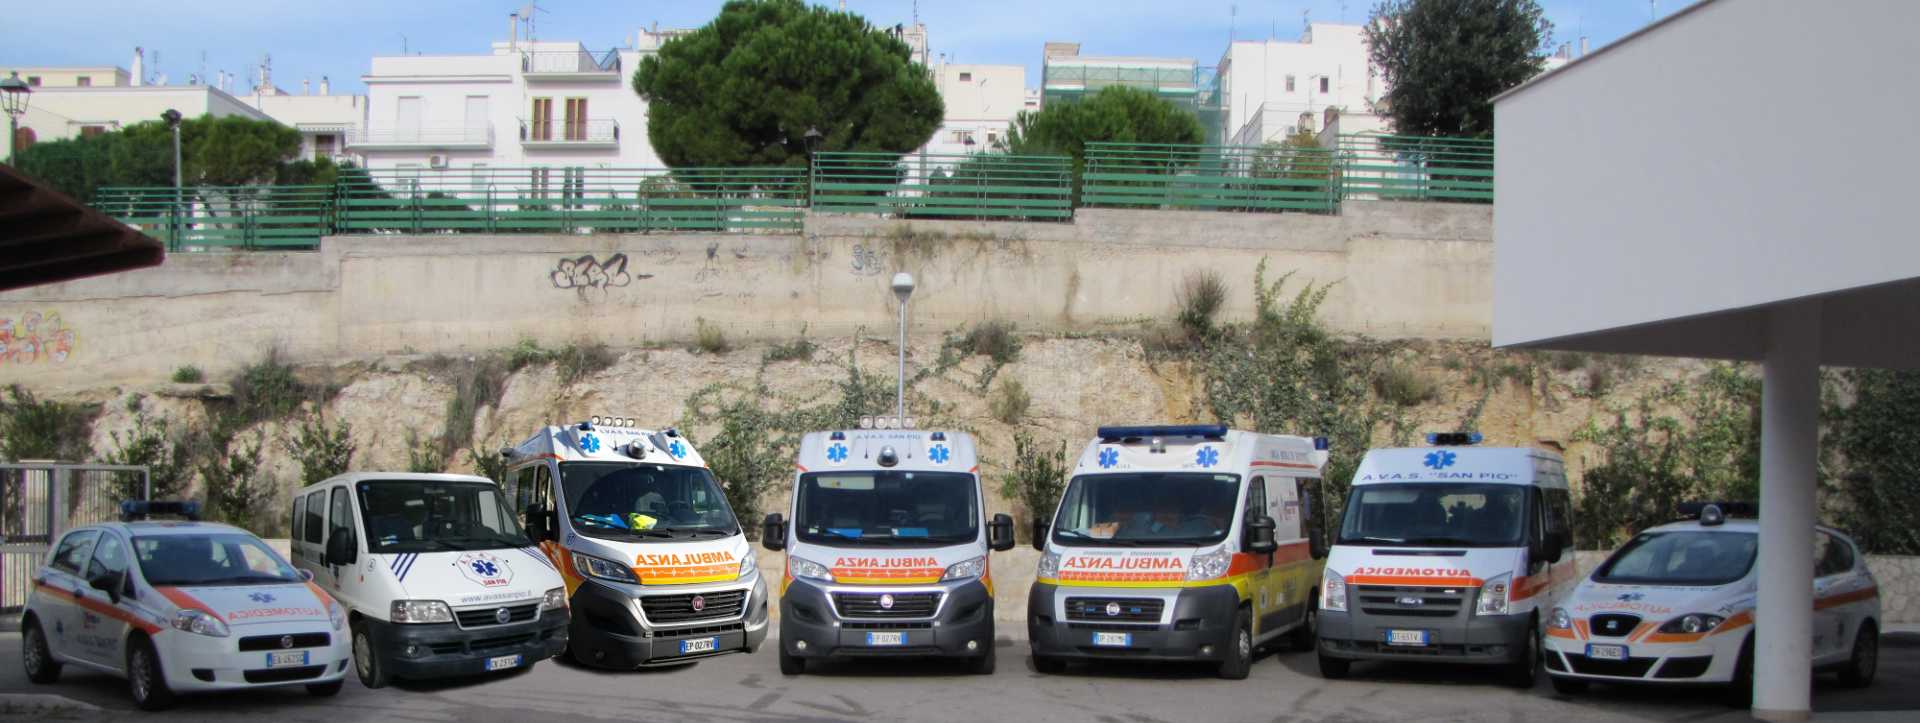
(436, 161)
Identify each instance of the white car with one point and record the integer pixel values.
(180, 607)
(1676, 603)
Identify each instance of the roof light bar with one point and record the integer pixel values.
(1454, 439)
(1209, 431)
(131, 510)
(1697, 510)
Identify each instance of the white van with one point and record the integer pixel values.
(1449, 553)
(1187, 543)
(887, 550)
(436, 574)
(657, 569)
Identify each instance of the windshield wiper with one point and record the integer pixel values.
(1371, 538)
(494, 539)
(388, 548)
(1441, 541)
(237, 580)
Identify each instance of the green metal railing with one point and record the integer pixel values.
(977, 186)
(1416, 168)
(603, 200)
(1223, 178)
(226, 217)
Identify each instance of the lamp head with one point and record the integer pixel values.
(902, 286)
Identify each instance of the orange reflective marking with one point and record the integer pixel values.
(187, 602)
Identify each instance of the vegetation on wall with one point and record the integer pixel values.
(322, 451)
(1877, 472)
(32, 428)
(153, 444)
(1036, 477)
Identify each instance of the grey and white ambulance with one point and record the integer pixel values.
(887, 549)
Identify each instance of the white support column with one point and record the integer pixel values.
(1789, 445)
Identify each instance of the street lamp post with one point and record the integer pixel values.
(902, 288)
(172, 118)
(812, 137)
(14, 94)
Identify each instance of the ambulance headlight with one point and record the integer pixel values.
(1560, 620)
(1493, 596)
(1049, 566)
(421, 611)
(747, 565)
(556, 599)
(1209, 565)
(590, 566)
(1333, 591)
(339, 617)
(966, 569)
(806, 569)
(199, 623)
(1695, 623)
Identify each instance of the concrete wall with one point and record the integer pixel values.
(1396, 270)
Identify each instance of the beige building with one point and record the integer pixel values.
(73, 77)
(57, 112)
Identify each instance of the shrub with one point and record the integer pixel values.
(1038, 475)
(525, 354)
(322, 451)
(1880, 476)
(1201, 296)
(1404, 386)
(800, 349)
(230, 470)
(574, 362)
(424, 454)
(488, 463)
(992, 339)
(34, 429)
(709, 338)
(268, 389)
(188, 374)
(149, 444)
(1011, 403)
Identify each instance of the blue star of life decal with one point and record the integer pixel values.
(589, 443)
(485, 568)
(677, 449)
(1207, 457)
(1109, 457)
(837, 453)
(1441, 459)
(939, 454)
(260, 597)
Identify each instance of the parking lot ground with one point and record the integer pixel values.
(1284, 688)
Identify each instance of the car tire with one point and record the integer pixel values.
(1333, 668)
(1739, 693)
(982, 665)
(1865, 660)
(1306, 635)
(790, 664)
(1568, 686)
(1524, 672)
(366, 658)
(35, 656)
(1239, 662)
(326, 690)
(146, 681)
(1048, 665)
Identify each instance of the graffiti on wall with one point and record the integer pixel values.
(34, 338)
(591, 278)
(868, 261)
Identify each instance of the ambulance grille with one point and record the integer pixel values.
(868, 605)
(483, 617)
(1125, 609)
(272, 642)
(1394, 600)
(679, 608)
(1613, 625)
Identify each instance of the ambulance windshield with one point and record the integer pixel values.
(887, 508)
(1435, 515)
(1681, 558)
(1147, 509)
(404, 515)
(623, 500)
(229, 559)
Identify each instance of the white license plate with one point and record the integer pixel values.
(886, 638)
(699, 645)
(1113, 640)
(1406, 637)
(282, 660)
(1606, 652)
(503, 662)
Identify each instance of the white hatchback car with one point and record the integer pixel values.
(178, 607)
(1675, 605)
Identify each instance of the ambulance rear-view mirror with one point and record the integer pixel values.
(1000, 533)
(536, 524)
(1259, 536)
(1040, 528)
(773, 532)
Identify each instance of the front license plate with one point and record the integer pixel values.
(282, 660)
(1606, 652)
(503, 662)
(1407, 637)
(699, 645)
(1113, 640)
(886, 638)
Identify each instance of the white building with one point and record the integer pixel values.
(62, 108)
(1267, 84)
(981, 101)
(523, 103)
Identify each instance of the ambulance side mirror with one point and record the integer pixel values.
(1000, 533)
(536, 524)
(1259, 535)
(340, 549)
(773, 532)
(1040, 529)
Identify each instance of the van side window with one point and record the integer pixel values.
(1310, 519)
(1560, 513)
(316, 516)
(340, 516)
(74, 550)
(523, 487)
(1831, 556)
(109, 557)
(1256, 499)
(543, 488)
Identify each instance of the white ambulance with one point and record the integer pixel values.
(887, 549)
(1449, 553)
(1675, 605)
(437, 576)
(179, 607)
(1181, 543)
(657, 569)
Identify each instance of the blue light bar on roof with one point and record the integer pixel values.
(1453, 439)
(1210, 431)
(131, 510)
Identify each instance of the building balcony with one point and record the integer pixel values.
(570, 65)
(587, 133)
(459, 138)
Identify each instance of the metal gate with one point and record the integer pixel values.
(40, 501)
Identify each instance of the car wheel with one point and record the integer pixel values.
(982, 665)
(145, 681)
(1568, 686)
(1239, 662)
(1739, 694)
(326, 690)
(366, 659)
(1522, 673)
(36, 657)
(1304, 637)
(790, 665)
(1048, 665)
(1865, 660)
(1333, 668)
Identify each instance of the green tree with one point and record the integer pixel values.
(1445, 60)
(150, 444)
(225, 151)
(1880, 476)
(745, 89)
(1116, 114)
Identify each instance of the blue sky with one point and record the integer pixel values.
(335, 38)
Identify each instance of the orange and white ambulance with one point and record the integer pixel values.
(1449, 553)
(1180, 543)
(656, 567)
